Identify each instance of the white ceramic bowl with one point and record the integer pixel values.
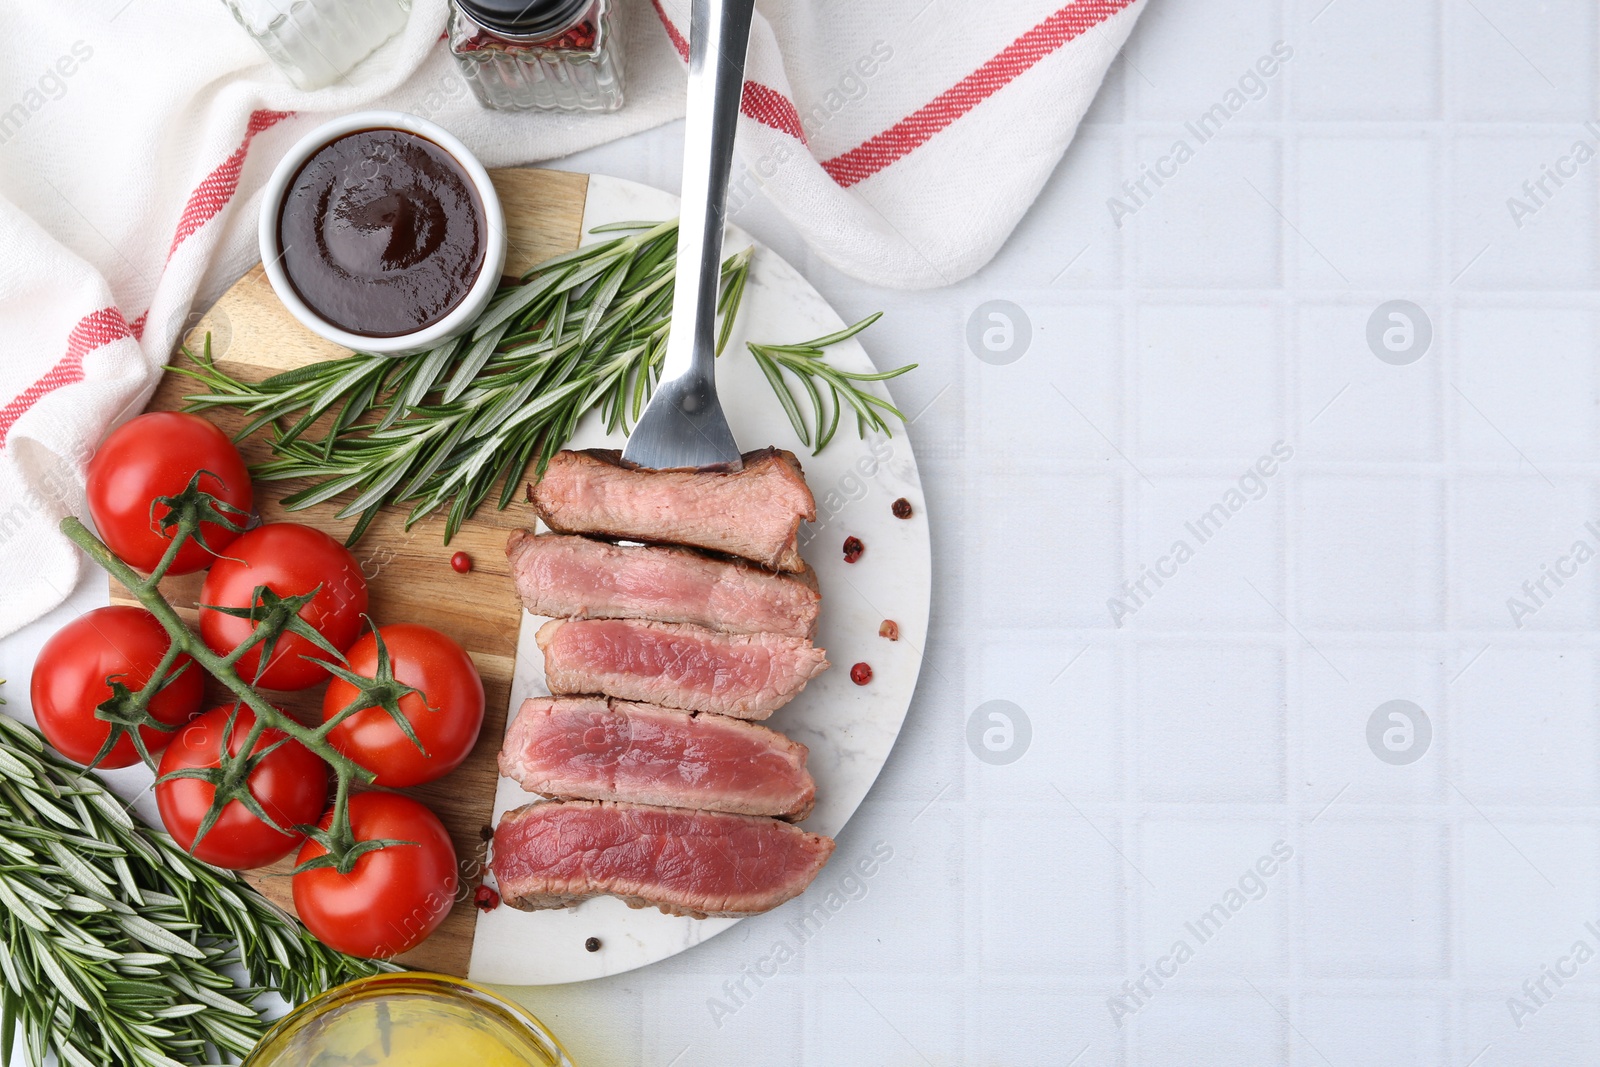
(494, 232)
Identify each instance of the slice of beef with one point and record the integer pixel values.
(555, 854)
(591, 748)
(564, 576)
(748, 676)
(754, 512)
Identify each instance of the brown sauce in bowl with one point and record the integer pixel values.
(382, 232)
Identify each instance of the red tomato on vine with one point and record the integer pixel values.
(290, 560)
(156, 455)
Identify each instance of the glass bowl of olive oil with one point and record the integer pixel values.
(409, 1019)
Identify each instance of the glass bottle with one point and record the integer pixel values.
(316, 42)
(520, 54)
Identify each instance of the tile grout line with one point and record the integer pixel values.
(1130, 492)
(1292, 961)
(1448, 430)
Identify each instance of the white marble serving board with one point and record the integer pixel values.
(848, 728)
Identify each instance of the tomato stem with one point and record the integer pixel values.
(165, 563)
(127, 711)
(341, 838)
(383, 691)
(360, 703)
(341, 844)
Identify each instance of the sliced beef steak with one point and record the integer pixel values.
(574, 577)
(748, 676)
(591, 748)
(555, 854)
(754, 512)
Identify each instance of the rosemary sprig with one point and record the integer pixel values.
(115, 944)
(806, 364)
(440, 429)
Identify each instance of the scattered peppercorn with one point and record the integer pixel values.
(592, 945)
(486, 832)
(461, 562)
(486, 899)
(861, 673)
(853, 549)
(901, 508)
(890, 629)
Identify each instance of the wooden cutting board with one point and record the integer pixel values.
(408, 571)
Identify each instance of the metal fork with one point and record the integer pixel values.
(683, 425)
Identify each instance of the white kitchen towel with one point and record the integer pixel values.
(135, 136)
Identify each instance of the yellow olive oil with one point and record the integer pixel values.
(407, 1020)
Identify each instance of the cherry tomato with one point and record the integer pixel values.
(290, 784)
(291, 560)
(156, 455)
(447, 723)
(70, 681)
(394, 897)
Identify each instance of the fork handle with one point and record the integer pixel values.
(719, 34)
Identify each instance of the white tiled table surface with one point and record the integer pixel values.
(1228, 714)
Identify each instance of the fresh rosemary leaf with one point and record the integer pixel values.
(605, 292)
(613, 227)
(514, 302)
(785, 397)
(428, 374)
(732, 293)
(842, 335)
(477, 355)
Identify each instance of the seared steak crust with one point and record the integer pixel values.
(556, 854)
(754, 512)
